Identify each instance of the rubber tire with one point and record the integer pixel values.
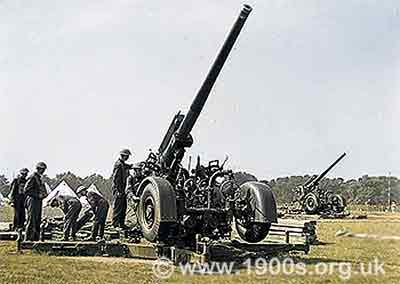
(255, 233)
(342, 201)
(311, 208)
(158, 231)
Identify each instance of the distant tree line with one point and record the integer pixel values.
(372, 190)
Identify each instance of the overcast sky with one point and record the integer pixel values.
(306, 81)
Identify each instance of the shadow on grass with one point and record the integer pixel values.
(321, 243)
(316, 260)
(290, 259)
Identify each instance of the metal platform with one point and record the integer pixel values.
(218, 251)
(283, 238)
(75, 248)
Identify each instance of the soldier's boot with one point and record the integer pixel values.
(124, 227)
(66, 237)
(95, 231)
(73, 232)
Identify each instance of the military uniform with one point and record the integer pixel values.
(71, 206)
(85, 218)
(132, 185)
(100, 208)
(34, 191)
(119, 179)
(17, 197)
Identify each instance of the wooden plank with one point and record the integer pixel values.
(77, 248)
(222, 251)
(142, 251)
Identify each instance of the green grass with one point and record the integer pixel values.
(30, 268)
(6, 214)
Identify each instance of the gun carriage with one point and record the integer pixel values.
(174, 206)
(314, 199)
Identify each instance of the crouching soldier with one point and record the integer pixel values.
(100, 209)
(71, 207)
(17, 198)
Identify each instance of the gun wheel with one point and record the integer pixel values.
(253, 232)
(338, 203)
(149, 212)
(311, 203)
(156, 218)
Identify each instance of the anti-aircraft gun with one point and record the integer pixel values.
(166, 213)
(316, 200)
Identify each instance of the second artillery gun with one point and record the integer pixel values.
(175, 207)
(314, 199)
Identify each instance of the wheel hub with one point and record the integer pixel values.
(149, 212)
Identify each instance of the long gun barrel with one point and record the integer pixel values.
(202, 95)
(174, 152)
(316, 180)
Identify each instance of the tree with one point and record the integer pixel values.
(4, 185)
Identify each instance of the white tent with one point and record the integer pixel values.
(62, 189)
(48, 189)
(2, 200)
(94, 188)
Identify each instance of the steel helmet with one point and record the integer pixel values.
(125, 152)
(24, 171)
(80, 189)
(41, 165)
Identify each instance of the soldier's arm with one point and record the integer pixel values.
(91, 198)
(129, 184)
(118, 178)
(43, 192)
(63, 203)
(29, 186)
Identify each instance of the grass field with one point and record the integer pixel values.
(29, 268)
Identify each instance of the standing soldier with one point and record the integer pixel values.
(17, 198)
(71, 207)
(100, 208)
(119, 177)
(34, 191)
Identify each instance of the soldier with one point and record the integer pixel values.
(119, 178)
(34, 191)
(71, 207)
(100, 208)
(134, 179)
(17, 198)
(132, 185)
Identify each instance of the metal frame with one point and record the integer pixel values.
(205, 250)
